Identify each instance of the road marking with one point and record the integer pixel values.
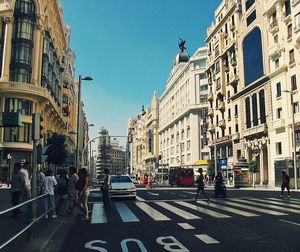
(191, 193)
(262, 210)
(206, 239)
(277, 203)
(228, 209)
(290, 222)
(268, 205)
(95, 194)
(139, 198)
(154, 214)
(203, 210)
(151, 193)
(98, 214)
(178, 211)
(286, 200)
(126, 214)
(185, 226)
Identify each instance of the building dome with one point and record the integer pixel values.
(181, 57)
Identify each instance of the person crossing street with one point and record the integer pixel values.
(200, 186)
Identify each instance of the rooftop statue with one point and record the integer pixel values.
(181, 44)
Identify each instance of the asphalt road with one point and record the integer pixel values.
(168, 219)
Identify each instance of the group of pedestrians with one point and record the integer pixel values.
(65, 192)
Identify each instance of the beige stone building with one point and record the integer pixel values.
(36, 74)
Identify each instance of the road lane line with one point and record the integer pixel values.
(228, 209)
(277, 203)
(154, 214)
(139, 198)
(184, 214)
(203, 210)
(207, 239)
(185, 226)
(267, 205)
(98, 214)
(290, 222)
(294, 201)
(257, 209)
(126, 214)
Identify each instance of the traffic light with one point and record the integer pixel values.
(37, 127)
(41, 154)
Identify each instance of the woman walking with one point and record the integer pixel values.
(16, 187)
(200, 187)
(83, 191)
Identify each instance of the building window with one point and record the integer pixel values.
(279, 111)
(217, 52)
(278, 148)
(293, 82)
(248, 113)
(237, 128)
(276, 61)
(262, 106)
(252, 53)
(218, 83)
(218, 66)
(65, 99)
(188, 145)
(230, 151)
(18, 105)
(18, 134)
(292, 57)
(289, 31)
(251, 18)
(188, 132)
(297, 21)
(296, 107)
(278, 89)
(2, 36)
(249, 3)
(239, 153)
(254, 110)
(22, 41)
(202, 76)
(287, 5)
(236, 113)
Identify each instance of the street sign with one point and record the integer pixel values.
(256, 151)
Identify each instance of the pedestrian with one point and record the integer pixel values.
(200, 186)
(39, 179)
(149, 183)
(72, 199)
(49, 184)
(105, 189)
(82, 186)
(285, 183)
(62, 189)
(26, 184)
(16, 187)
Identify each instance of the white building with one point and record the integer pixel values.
(182, 106)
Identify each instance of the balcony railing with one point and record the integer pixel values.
(222, 123)
(236, 136)
(273, 26)
(262, 128)
(210, 96)
(210, 112)
(222, 106)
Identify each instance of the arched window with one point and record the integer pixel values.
(253, 58)
(22, 41)
(248, 113)
(254, 110)
(262, 107)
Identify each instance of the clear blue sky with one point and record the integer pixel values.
(128, 46)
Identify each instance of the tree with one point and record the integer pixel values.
(210, 171)
(253, 168)
(56, 151)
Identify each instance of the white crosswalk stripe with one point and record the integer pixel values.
(178, 211)
(229, 209)
(288, 200)
(188, 210)
(203, 210)
(267, 205)
(206, 239)
(262, 210)
(277, 203)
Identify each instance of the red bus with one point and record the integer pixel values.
(181, 176)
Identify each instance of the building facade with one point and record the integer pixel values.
(183, 111)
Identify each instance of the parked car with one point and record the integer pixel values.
(122, 187)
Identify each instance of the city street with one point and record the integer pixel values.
(168, 219)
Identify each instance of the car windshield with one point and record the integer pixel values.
(120, 179)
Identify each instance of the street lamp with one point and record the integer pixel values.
(78, 115)
(294, 136)
(9, 168)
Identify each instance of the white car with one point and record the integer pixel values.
(122, 186)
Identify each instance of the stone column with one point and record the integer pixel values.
(37, 54)
(7, 48)
(261, 162)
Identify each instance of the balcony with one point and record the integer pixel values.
(222, 106)
(226, 68)
(233, 61)
(210, 112)
(236, 136)
(292, 63)
(211, 143)
(286, 16)
(262, 128)
(278, 124)
(233, 79)
(210, 97)
(211, 128)
(232, 27)
(275, 51)
(222, 124)
(294, 2)
(273, 27)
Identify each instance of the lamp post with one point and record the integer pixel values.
(78, 115)
(294, 136)
(9, 168)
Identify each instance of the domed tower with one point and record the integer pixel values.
(181, 57)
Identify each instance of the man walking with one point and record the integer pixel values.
(105, 189)
(25, 178)
(200, 187)
(285, 183)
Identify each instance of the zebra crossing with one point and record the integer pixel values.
(190, 210)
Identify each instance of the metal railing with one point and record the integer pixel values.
(31, 218)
